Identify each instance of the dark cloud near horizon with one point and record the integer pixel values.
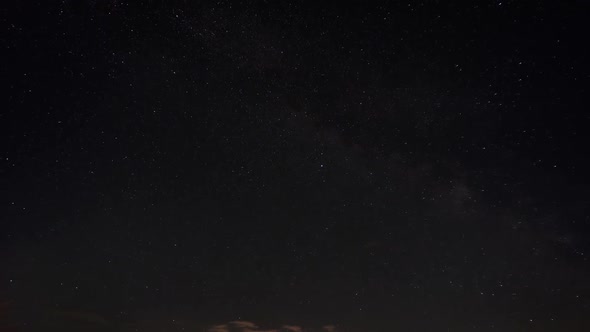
(246, 326)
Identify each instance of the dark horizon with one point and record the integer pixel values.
(179, 165)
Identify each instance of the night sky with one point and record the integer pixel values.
(238, 166)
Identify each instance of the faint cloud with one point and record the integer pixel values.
(218, 328)
(246, 326)
(235, 326)
(329, 328)
(291, 328)
(243, 326)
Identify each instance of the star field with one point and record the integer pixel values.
(279, 166)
